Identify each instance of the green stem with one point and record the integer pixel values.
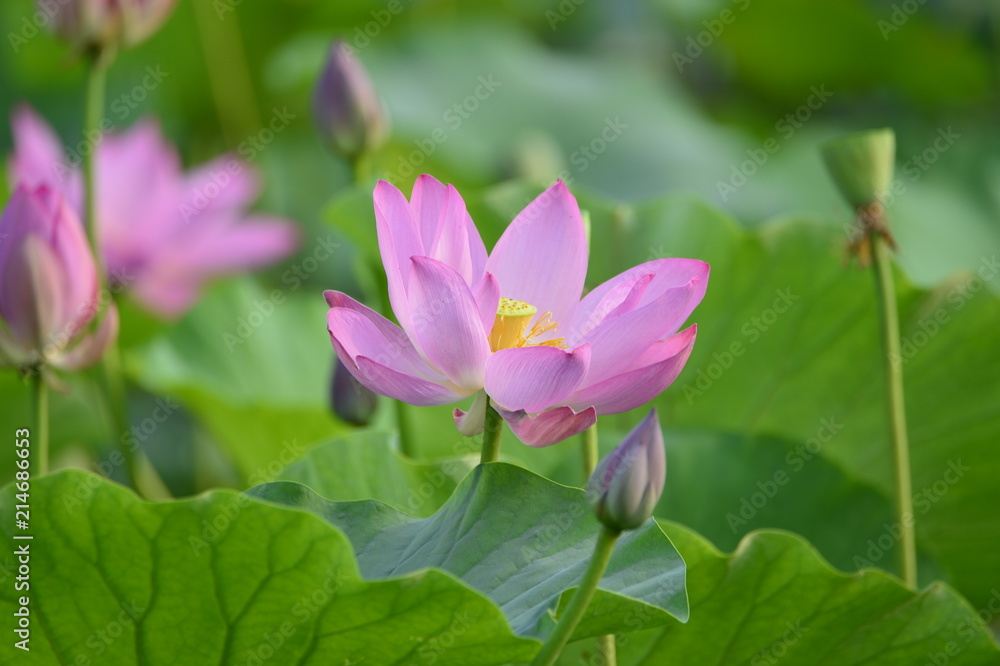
(588, 448)
(93, 115)
(41, 439)
(581, 599)
(886, 294)
(114, 393)
(606, 646)
(492, 430)
(403, 423)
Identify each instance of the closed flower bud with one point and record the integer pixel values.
(861, 165)
(96, 24)
(351, 401)
(628, 483)
(48, 286)
(346, 107)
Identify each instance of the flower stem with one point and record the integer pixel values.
(114, 393)
(581, 599)
(41, 439)
(403, 423)
(889, 314)
(588, 447)
(492, 430)
(93, 112)
(606, 646)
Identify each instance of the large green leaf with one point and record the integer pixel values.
(367, 465)
(254, 366)
(774, 601)
(521, 540)
(225, 579)
(789, 340)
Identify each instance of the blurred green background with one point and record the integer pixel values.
(663, 116)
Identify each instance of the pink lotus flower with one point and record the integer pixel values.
(48, 286)
(163, 232)
(512, 325)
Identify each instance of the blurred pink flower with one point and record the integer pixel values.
(98, 23)
(512, 323)
(163, 232)
(48, 286)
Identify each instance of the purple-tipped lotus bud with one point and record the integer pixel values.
(351, 400)
(346, 107)
(48, 286)
(628, 483)
(97, 24)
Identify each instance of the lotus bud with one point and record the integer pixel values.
(48, 286)
(861, 165)
(347, 110)
(351, 400)
(99, 24)
(628, 483)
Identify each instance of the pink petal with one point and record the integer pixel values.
(535, 378)
(619, 340)
(398, 240)
(487, 296)
(92, 347)
(667, 274)
(427, 202)
(225, 183)
(355, 333)
(621, 298)
(38, 157)
(471, 423)
(233, 245)
(542, 256)
(446, 322)
(662, 362)
(353, 336)
(394, 335)
(548, 427)
(402, 386)
(446, 230)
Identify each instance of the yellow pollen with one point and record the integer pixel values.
(510, 328)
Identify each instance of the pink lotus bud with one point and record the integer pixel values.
(90, 24)
(48, 286)
(628, 483)
(346, 107)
